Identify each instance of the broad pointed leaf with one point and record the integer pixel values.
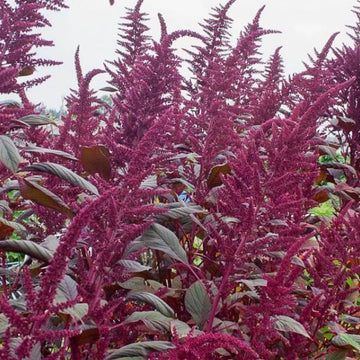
(34, 120)
(140, 284)
(134, 283)
(337, 355)
(32, 191)
(132, 266)
(35, 353)
(214, 178)
(9, 154)
(89, 335)
(51, 243)
(26, 71)
(4, 206)
(140, 349)
(179, 328)
(9, 103)
(41, 150)
(149, 183)
(160, 238)
(26, 247)
(253, 283)
(63, 173)
(7, 227)
(343, 122)
(151, 299)
(288, 324)
(153, 320)
(347, 340)
(179, 210)
(66, 290)
(197, 303)
(95, 160)
(109, 89)
(77, 312)
(341, 166)
(327, 150)
(4, 324)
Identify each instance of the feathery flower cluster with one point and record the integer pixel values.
(212, 215)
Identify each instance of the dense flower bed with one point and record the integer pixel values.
(205, 216)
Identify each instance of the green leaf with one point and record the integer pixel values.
(151, 299)
(353, 320)
(297, 261)
(347, 167)
(35, 120)
(64, 173)
(226, 327)
(35, 353)
(140, 349)
(288, 324)
(179, 328)
(9, 154)
(190, 186)
(158, 237)
(51, 243)
(134, 283)
(153, 320)
(179, 210)
(10, 103)
(4, 206)
(140, 284)
(77, 312)
(347, 340)
(337, 355)
(4, 324)
(32, 191)
(109, 89)
(327, 150)
(12, 226)
(41, 150)
(149, 183)
(66, 290)
(132, 266)
(27, 247)
(197, 303)
(343, 122)
(252, 284)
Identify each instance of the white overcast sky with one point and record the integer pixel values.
(93, 24)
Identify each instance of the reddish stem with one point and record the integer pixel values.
(224, 281)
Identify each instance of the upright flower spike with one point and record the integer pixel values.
(82, 122)
(316, 79)
(271, 91)
(215, 45)
(343, 66)
(18, 49)
(227, 96)
(18, 60)
(133, 41)
(143, 72)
